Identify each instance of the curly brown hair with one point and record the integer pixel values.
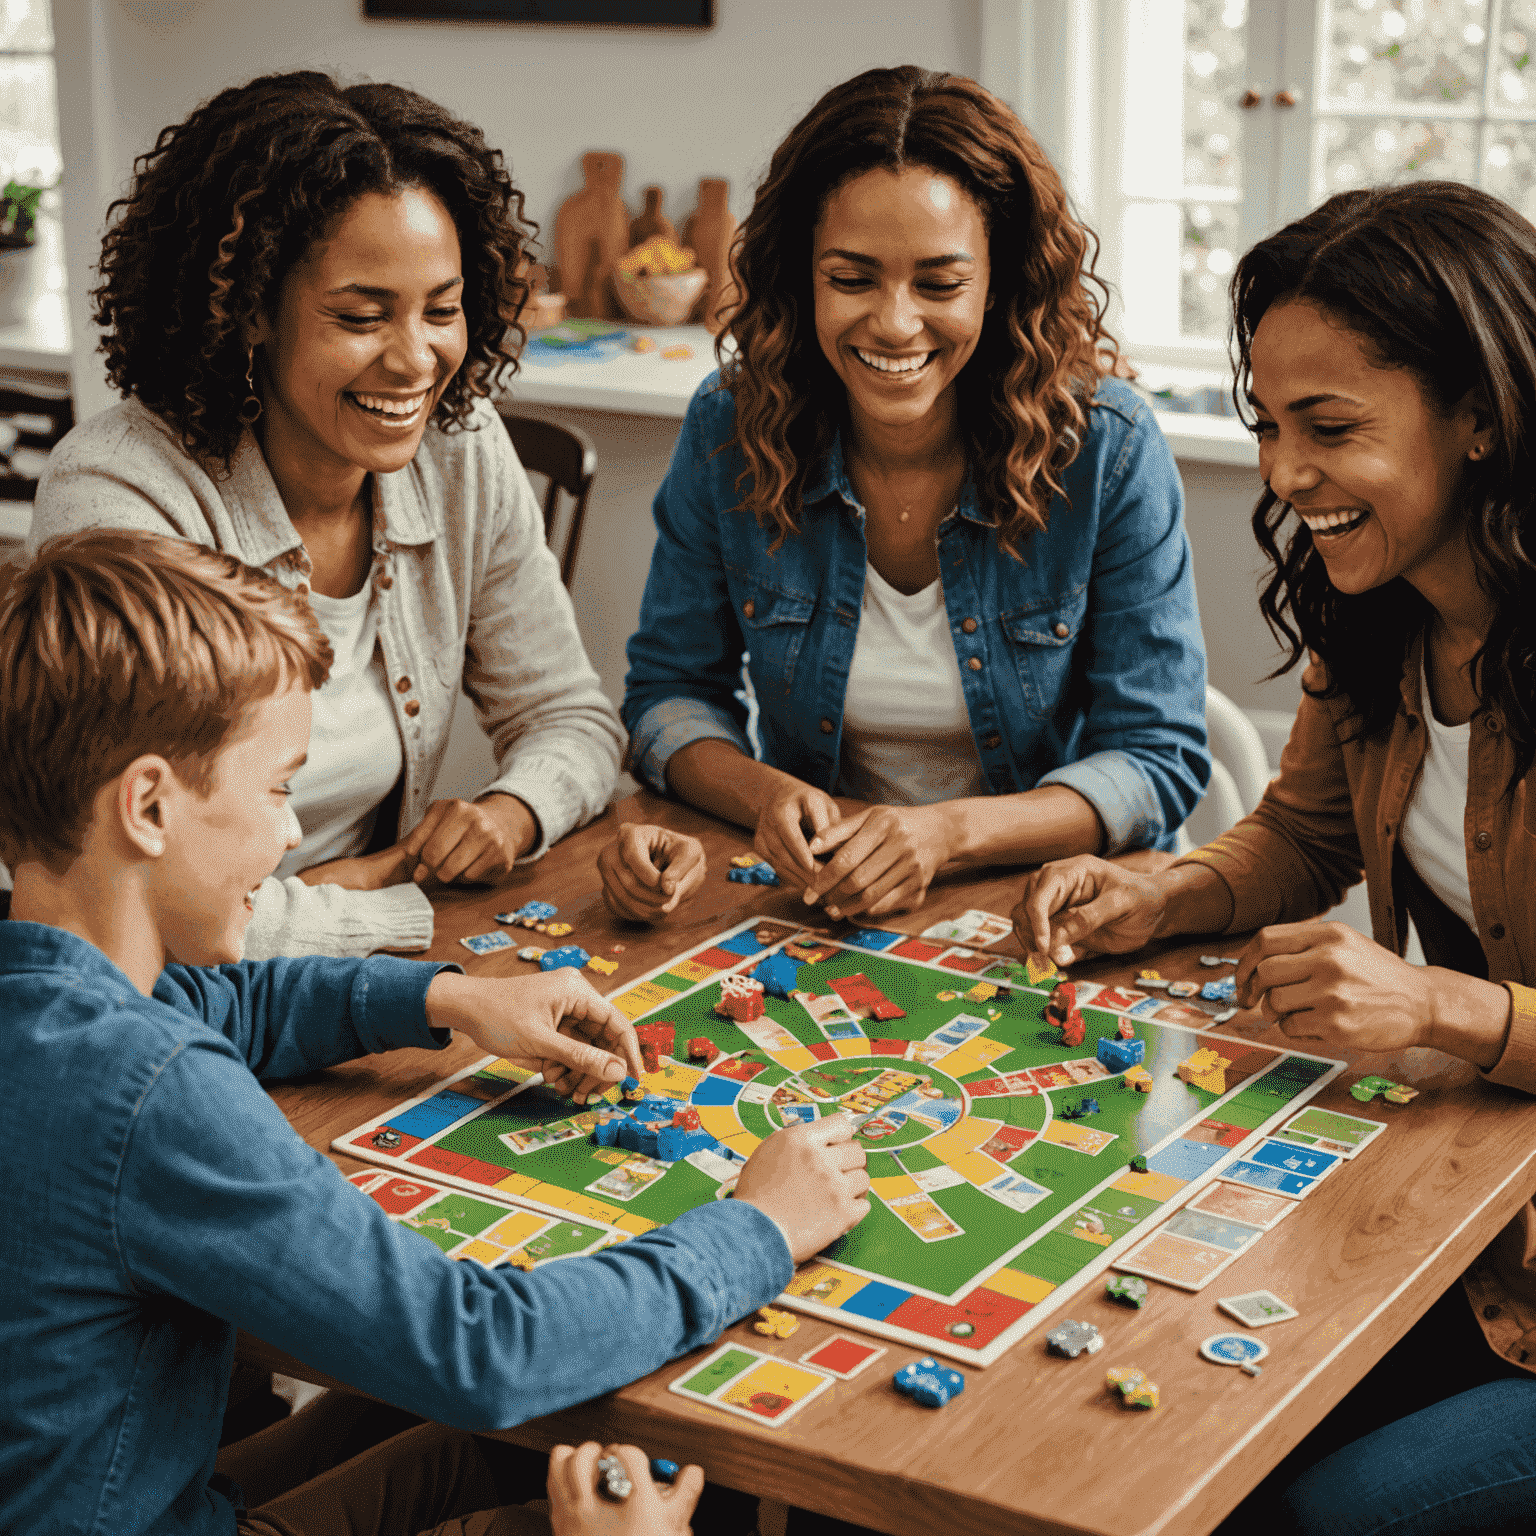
(1025, 392)
(227, 202)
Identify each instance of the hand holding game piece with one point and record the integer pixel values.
(1324, 981)
(810, 1179)
(554, 1023)
(577, 1508)
(648, 870)
(885, 858)
(469, 841)
(794, 816)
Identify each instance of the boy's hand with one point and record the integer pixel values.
(810, 1179)
(576, 1508)
(554, 1023)
(648, 870)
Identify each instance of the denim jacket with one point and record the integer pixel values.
(1082, 663)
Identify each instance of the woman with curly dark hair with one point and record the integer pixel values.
(306, 296)
(1388, 351)
(951, 547)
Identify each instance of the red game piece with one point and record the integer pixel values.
(1072, 1030)
(864, 1000)
(702, 1050)
(686, 1119)
(1127, 1030)
(741, 999)
(1061, 1004)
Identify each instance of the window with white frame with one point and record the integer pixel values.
(29, 114)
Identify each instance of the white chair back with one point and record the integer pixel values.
(1239, 772)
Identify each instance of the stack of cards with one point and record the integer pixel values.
(1190, 1249)
(1327, 1130)
(754, 1385)
(1283, 1167)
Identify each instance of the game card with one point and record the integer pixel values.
(1014, 1190)
(931, 1179)
(1309, 1162)
(1240, 1203)
(753, 1385)
(768, 1034)
(1218, 1231)
(536, 1137)
(1123, 999)
(1256, 1308)
(1329, 1131)
(635, 1174)
(1262, 1176)
(975, 928)
(919, 1213)
(488, 943)
(842, 1357)
(1176, 1261)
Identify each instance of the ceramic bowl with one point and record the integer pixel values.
(660, 300)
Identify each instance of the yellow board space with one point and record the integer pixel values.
(743, 1142)
(720, 1120)
(852, 1048)
(1015, 1283)
(516, 1183)
(821, 1282)
(894, 1187)
(594, 1209)
(796, 1060)
(976, 1167)
(635, 1224)
(507, 1072)
(691, 971)
(775, 1376)
(1155, 1186)
(552, 1194)
(962, 1138)
(515, 1230)
(481, 1251)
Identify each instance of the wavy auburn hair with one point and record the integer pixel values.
(1439, 279)
(1024, 394)
(226, 203)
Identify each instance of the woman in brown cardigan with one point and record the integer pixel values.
(1388, 351)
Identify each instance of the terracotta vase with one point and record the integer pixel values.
(652, 221)
(710, 230)
(591, 233)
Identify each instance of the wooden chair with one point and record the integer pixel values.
(566, 457)
(30, 418)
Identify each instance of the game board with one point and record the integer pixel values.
(989, 1207)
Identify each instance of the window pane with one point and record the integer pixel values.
(1210, 252)
(26, 24)
(1509, 165)
(28, 122)
(1365, 151)
(1514, 81)
(1214, 68)
(1389, 52)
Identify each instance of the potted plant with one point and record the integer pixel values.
(18, 234)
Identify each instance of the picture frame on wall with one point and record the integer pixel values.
(612, 13)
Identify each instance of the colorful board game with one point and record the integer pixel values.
(999, 1156)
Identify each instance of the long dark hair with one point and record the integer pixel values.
(1025, 392)
(225, 204)
(1440, 279)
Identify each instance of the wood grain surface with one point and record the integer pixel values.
(1035, 1443)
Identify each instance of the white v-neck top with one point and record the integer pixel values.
(355, 750)
(906, 730)
(1434, 834)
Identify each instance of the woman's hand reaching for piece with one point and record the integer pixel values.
(792, 818)
(648, 870)
(880, 860)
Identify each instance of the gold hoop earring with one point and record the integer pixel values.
(247, 415)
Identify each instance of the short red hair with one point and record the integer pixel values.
(114, 644)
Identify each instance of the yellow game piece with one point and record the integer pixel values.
(1138, 1078)
(597, 963)
(746, 861)
(1205, 1069)
(774, 1323)
(1149, 975)
(1132, 1385)
(555, 930)
(1039, 968)
(982, 992)
(677, 354)
(947, 996)
(643, 344)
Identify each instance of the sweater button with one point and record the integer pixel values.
(402, 685)
(413, 706)
(992, 741)
(1495, 724)
(1483, 840)
(748, 609)
(826, 727)
(974, 663)
(1061, 631)
(968, 625)
(1497, 931)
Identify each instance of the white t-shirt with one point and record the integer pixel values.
(1434, 835)
(355, 751)
(906, 731)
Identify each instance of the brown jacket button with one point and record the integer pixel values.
(974, 663)
(402, 685)
(1062, 631)
(386, 581)
(826, 727)
(748, 609)
(1497, 931)
(413, 706)
(1483, 840)
(968, 625)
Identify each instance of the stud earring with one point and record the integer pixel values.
(250, 408)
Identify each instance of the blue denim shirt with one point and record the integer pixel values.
(1082, 663)
(159, 1200)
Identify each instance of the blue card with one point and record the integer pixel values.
(488, 943)
(1303, 1160)
(1259, 1176)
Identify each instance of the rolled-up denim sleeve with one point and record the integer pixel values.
(685, 657)
(1145, 761)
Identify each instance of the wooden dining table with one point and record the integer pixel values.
(1035, 1443)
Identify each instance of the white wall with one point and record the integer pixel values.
(678, 104)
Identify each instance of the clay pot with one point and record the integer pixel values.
(710, 230)
(652, 220)
(591, 233)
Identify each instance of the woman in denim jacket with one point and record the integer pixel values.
(951, 548)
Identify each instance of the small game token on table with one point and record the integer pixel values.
(1257, 1308)
(1394, 1093)
(927, 1382)
(486, 943)
(1132, 1385)
(745, 860)
(555, 930)
(597, 963)
(662, 1470)
(1128, 1290)
(530, 952)
(1183, 988)
(775, 1323)
(567, 955)
(1071, 1339)
(1235, 1349)
(842, 1356)
(1223, 990)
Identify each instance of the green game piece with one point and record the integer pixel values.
(1137, 1164)
(1128, 1290)
(1394, 1093)
(961, 1330)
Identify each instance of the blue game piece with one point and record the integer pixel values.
(662, 1470)
(1121, 1055)
(629, 1085)
(606, 1132)
(568, 954)
(637, 1137)
(779, 975)
(674, 1143)
(536, 911)
(756, 874)
(1088, 1107)
(927, 1382)
(1222, 991)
